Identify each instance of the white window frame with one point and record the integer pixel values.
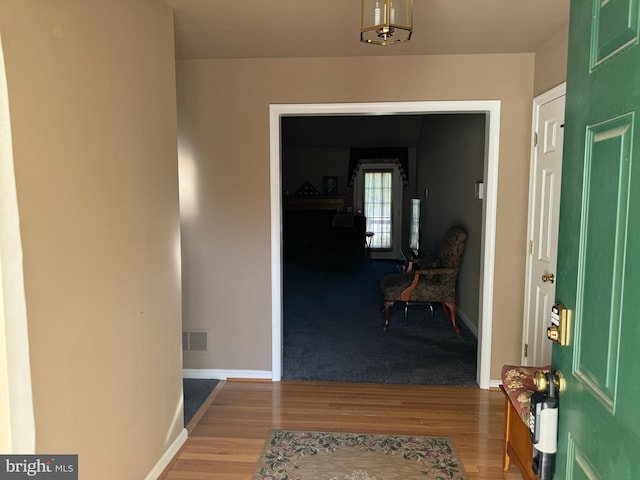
(396, 206)
(414, 229)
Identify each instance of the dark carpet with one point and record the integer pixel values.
(332, 333)
(195, 391)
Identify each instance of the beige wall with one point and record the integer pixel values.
(223, 108)
(451, 161)
(92, 98)
(551, 62)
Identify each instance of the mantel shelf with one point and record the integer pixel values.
(314, 202)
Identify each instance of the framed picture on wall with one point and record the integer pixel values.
(330, 185)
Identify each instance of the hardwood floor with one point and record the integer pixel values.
(229, 437)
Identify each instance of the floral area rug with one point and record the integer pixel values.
(290, 455)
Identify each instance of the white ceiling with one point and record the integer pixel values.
(330, 28)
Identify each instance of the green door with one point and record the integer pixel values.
(599, 245)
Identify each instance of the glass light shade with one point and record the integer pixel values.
(386, 21)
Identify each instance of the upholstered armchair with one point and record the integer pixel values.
(429, 281)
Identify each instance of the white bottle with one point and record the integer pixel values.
(376, 14)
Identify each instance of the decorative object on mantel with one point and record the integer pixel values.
(330, 185)
(385, 22)
(307, 189)
(397, 155)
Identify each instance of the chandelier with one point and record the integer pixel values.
(386, 21)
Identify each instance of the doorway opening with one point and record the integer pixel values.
(491, 110)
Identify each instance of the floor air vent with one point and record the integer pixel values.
(195, 340)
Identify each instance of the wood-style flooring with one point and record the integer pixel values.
(227, 440)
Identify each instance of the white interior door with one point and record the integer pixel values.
(544, 210)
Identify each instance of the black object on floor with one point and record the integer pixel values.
(196, 391)
(332, 332)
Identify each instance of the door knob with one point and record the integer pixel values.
(548, 277)
(542, 383)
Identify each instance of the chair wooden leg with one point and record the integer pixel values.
(385, 308)
(449, 308)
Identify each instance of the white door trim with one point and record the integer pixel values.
(491, 108)
(542, 99)
(17, 420)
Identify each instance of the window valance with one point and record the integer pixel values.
(398, 155)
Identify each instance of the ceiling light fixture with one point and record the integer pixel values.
(385, 21)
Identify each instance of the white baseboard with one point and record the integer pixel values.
(166, 458)
(495, 383)
(226, 374)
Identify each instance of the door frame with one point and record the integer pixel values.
(491, 108)
(542, 99)
(17, 418)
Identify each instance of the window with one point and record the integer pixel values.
(377, 207)
(414, 239)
